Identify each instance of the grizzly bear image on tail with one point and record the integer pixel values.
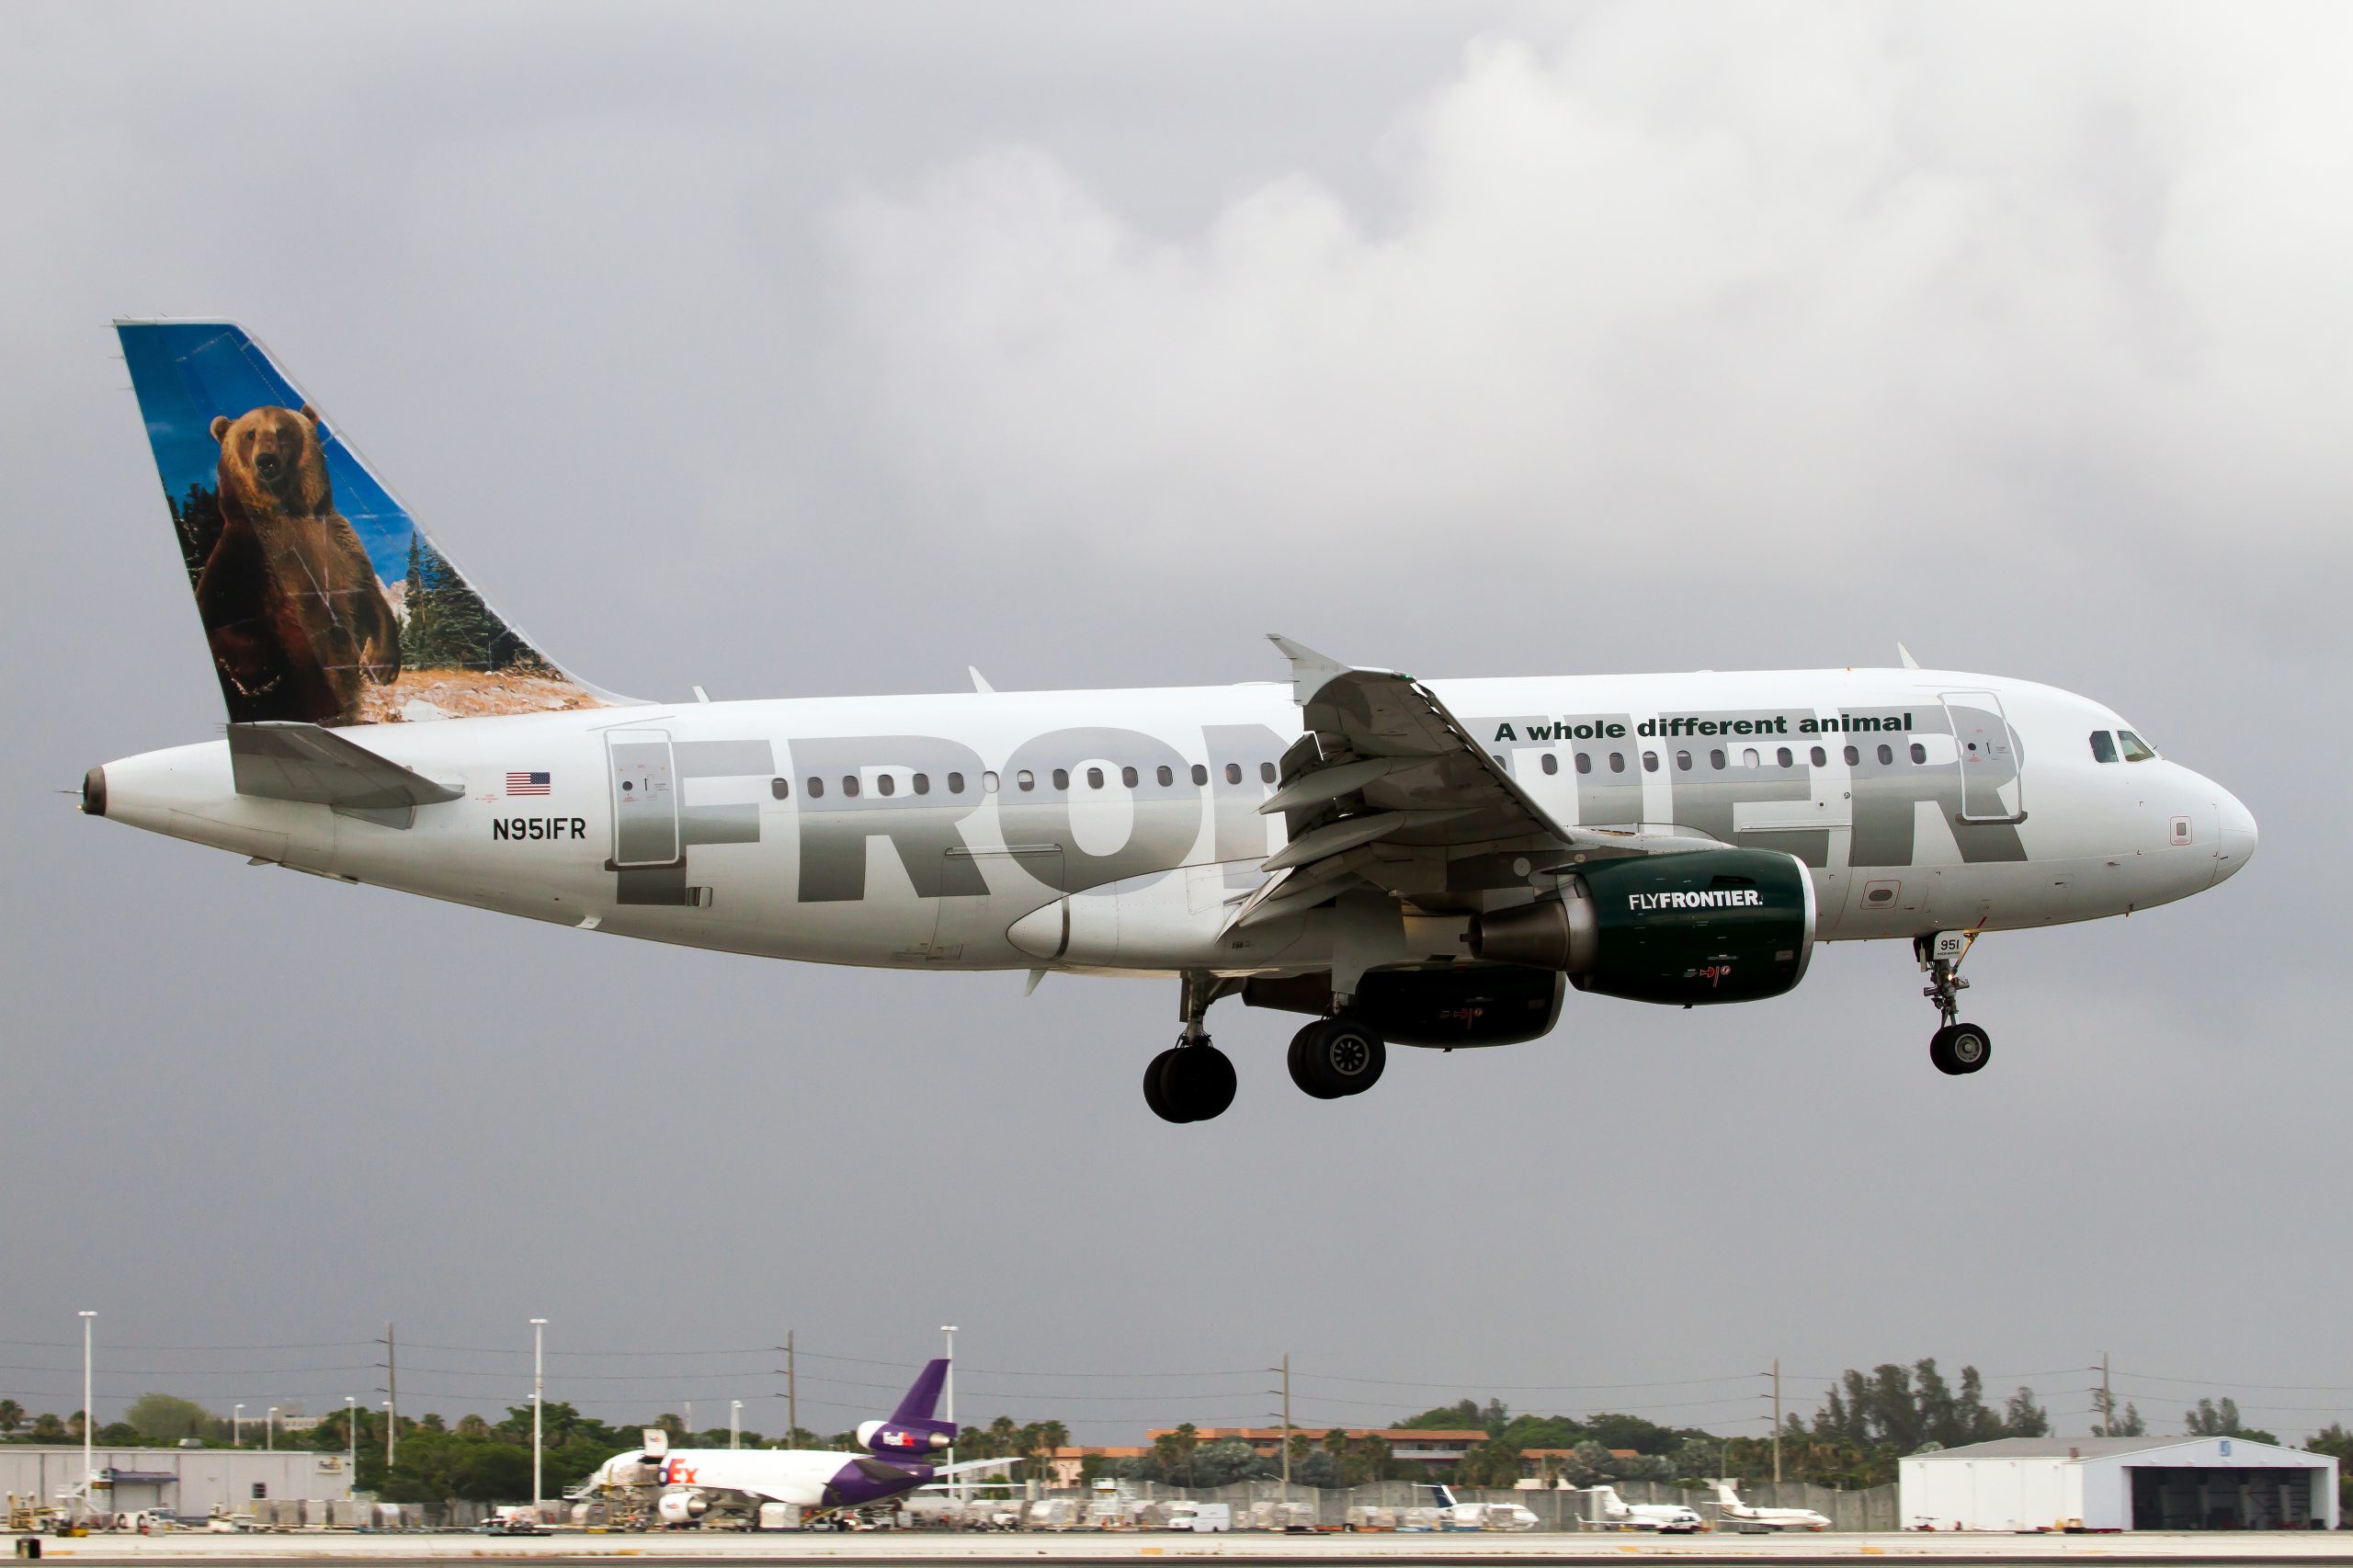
(296, 618)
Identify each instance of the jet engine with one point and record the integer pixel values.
(1685, 928)
(890, 1437)
(682, 1507)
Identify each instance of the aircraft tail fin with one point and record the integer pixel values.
(922, 1399)
(323, 601)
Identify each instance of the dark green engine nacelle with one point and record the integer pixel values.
(1705, 925)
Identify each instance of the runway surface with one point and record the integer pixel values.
(883, 1549)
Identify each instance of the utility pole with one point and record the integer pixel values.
(2107, 1400)
(393, 1391)
(957, 1487)
(89, 1464)
(734, 1424)
(350, 1446)
(539, 1394)
(1285, 1371)
(791, 1394)
(236, 1420)
(1777, 1421)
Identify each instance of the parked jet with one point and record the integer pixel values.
(1738, 1513)
(1667, 1519)
(691, 1483)
(1407, 862)
(1453, 1515)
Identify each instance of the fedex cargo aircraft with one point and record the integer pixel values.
(1405, 862)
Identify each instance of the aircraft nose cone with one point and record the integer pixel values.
(2235, 841)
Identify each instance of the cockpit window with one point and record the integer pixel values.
(2135, 748)
(2103, 747)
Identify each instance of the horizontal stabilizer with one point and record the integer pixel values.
(284, 761)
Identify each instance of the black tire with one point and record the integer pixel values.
(1302, 1044)
(1970, 1047)
(1156, 1094)
(1334, 1057)
(1198, 1080)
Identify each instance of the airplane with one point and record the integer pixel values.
(694, 1482)
(1732, 1508)
(1453, 1515)
(1667, 1519)
(1405, 862)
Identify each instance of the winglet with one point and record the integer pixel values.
(1311, 671)
(1905, 654)
(980, 681)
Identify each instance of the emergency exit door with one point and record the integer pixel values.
(645, 798)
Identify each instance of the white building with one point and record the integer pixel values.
(188, 1481)
(2117, 1483)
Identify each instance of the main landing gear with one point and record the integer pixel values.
(1332, 1058)
(1956, 1048)
(1193, 1080)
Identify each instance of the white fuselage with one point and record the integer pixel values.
(945, 830)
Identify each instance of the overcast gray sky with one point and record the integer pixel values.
(801, 351)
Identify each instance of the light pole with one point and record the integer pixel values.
(89, 1470)
(949, 1330)
(539, 1387)
(350, 1446)
(269, 1434)
(236, 1421)
(734, 1423)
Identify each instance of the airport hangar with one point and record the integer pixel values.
(2117, 1483)
(187, 1481)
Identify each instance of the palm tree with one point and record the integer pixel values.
(1189, 1437)
(1044, 1438)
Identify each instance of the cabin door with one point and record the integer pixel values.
(645, 798)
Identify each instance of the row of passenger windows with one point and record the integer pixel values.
(2104, 746)
(1023, 780)
(1749, 757)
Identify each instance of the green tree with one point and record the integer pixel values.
(166, 1418)
(2021, 1418)
(48, 1428)
(11, 1416)
(2211, 1420)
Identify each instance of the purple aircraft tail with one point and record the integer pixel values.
(914, 1412)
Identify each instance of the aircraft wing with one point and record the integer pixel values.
(1388, 787)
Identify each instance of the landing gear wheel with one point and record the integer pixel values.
(1334, 1057)
(1960, 1047)
(1197, 1081)
(1154, 1095)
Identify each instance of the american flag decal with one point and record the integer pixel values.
(527, 783)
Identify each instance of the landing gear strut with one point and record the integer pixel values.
(1193, 1080)
(1956, 1048)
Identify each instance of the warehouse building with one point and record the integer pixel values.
(2119, 1483)
(186, 1481)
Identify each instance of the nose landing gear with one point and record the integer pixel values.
(1957, 1048)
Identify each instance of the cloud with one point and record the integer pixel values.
(1841, 269)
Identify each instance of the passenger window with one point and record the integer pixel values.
(779, 788)
(1650, 762)
(1266, 773)
(849, 785)
(1716, 759)
(1551, 763)
(1886, 754)
(923, 783)
(1784, 758)
(1062, 778)
(1748, 757)
(1683, 760)
(1095, 779)
(885, 785)
(1585, 762)
(955, 783)
(1025, 779)
(1233, 773)
(816, 787)
(1201, 774)
(2135, 748)
(1853, 757)
(1919, 751)
(1821, 757)
(1164, 776)
(1128, 776)
(1616, 761)
(988, 782)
